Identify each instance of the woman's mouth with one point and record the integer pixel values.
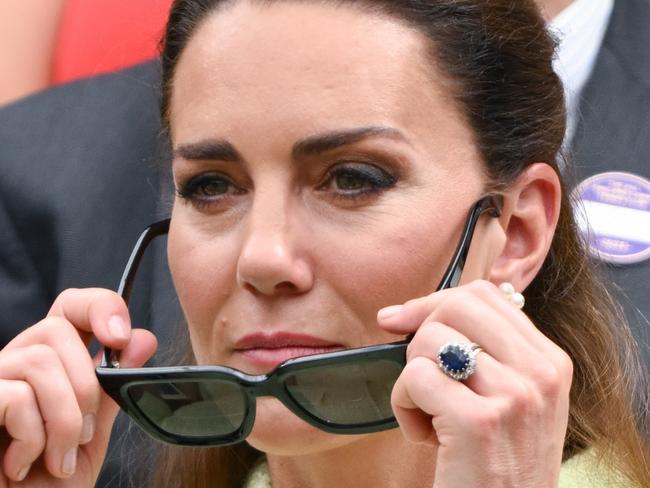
(265, 351)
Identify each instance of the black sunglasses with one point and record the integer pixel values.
(344, 392)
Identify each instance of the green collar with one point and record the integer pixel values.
(581, 471)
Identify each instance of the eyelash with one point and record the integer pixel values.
(373, 179)
(191, 189)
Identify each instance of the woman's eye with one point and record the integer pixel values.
(355, 180)
(350, 181)
(207, 188)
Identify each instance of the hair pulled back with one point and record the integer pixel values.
(497, 57)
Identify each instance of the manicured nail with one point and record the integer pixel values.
(87, 429)
(22, 474)
(118, 328)
(388, 312)
(69, 462)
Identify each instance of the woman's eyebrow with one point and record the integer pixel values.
(222, 150)
(326, 142)
(208, 150)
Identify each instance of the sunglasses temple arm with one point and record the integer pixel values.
(451, 278)
(109, 358)
(491, 203)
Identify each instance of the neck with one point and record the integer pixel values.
(383, 460)
(550, 8)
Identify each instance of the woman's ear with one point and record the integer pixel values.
(530, 214)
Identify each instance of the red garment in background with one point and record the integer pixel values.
(98, 36)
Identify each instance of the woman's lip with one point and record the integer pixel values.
(282, 340)
(267, 350)
(263, 359)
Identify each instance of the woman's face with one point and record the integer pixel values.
(323, 172)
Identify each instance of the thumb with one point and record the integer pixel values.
(141, 347)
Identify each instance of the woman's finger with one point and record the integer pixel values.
(140, 348)
(22, 420)
(424, 391)
(489, 379)
(482, 313)
(95, 311)
(407, 317)
(63, 338)
(40, 366)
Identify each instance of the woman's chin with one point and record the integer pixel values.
(279, 432)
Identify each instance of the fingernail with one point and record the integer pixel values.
(118, 328)
(388, 312)
(88, 429)
(22, 474)
(69, 461)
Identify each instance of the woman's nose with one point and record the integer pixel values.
(271, 260)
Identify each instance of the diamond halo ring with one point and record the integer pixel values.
(458, 359)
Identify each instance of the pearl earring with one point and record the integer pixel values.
(516, 298)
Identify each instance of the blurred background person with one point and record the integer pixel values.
(603, 59)
(28, 30)
(56, 41)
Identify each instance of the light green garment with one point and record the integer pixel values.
(259, 477)
(581, 471)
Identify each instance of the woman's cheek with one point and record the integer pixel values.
(401, 262)
(203, 275)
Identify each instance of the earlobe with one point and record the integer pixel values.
(530, 215)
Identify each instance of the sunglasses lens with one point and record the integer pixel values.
(191, 408)
(347, 394)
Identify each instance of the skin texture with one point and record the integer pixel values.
(278, 239)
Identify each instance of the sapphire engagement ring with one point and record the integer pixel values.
(458, 359)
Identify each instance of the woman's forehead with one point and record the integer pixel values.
(306, 65)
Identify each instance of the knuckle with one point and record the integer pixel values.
(40, 357)
(22, 394)
(421, 343)
(481, 288)
(86, 298)
(68, 294)
(450, 306)
(414, 370)
(565, 365)
(522, 400)
(547, 378)
(104, 294)
(414, 366)
(88, 393)
(68, 421)
(410, 352)
(427, 328)
(485, 422)
(35, 442)
(420, 373)
(57, 326)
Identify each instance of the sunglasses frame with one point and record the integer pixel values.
(116, 381)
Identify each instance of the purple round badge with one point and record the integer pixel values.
(613, 213)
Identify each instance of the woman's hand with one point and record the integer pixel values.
(55, 417)
(503, 426)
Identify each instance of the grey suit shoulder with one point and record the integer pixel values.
(80, 170)
(614, 134)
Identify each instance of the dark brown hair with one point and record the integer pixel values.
(497, 56)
